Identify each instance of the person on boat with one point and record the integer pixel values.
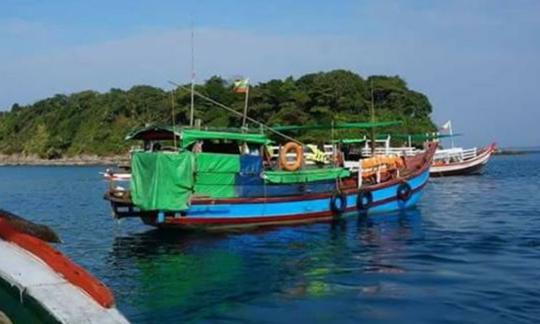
(197, 147)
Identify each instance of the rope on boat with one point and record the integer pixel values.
(236, 112)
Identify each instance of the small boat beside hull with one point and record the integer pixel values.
(471, 166)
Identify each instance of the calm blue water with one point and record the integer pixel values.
(469, 253)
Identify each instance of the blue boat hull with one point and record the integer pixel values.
(228, 213)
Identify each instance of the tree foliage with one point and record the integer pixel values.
(89, 122)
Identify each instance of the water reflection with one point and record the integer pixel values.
(357, 248)
(198, 275)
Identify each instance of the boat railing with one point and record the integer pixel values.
(470, 153)
(456, 154)
(398, 151)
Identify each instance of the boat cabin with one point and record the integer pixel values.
(165, 138)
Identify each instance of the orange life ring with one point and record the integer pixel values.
(298, 150)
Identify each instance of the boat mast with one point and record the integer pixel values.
(245, 108)
(173, 117)
(372, 113)
(192, 107)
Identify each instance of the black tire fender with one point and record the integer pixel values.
(404, 191)
(361, 196)
(341, 206)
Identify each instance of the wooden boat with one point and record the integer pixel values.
(458, 161)
(40, 284)
(223, 194)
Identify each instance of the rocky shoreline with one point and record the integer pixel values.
(79, 160)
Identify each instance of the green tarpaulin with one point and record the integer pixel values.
(305, 175)
(218, 163)
(190, 136)
(215, 176)
(162, 181)
(216, 185)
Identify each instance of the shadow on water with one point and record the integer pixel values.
(165, 275)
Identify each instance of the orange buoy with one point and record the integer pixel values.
(299, 152)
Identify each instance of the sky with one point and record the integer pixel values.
(478, 61)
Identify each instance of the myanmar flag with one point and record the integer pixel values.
(241, 86)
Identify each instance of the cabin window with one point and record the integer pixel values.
(225, 147)
(251, 149)
(351, 153)
(160, 146)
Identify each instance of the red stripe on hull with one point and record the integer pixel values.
(72, 272)
(247, 220)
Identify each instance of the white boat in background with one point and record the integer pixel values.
(459, 161)
(446, 162)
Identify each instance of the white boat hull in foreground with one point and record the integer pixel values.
(55, 295)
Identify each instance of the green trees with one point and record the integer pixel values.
(89, 122)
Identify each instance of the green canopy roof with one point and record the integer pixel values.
(190, 136)
(155, 132)
(359, 125)
(422, 137)
(413, 137)
(350, 140)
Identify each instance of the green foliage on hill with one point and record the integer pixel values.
(89, 122)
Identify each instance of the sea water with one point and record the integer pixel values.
(469, 253)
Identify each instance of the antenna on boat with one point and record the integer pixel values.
(245, 105)
(192, 107)
(372, 113)
(173, 117)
